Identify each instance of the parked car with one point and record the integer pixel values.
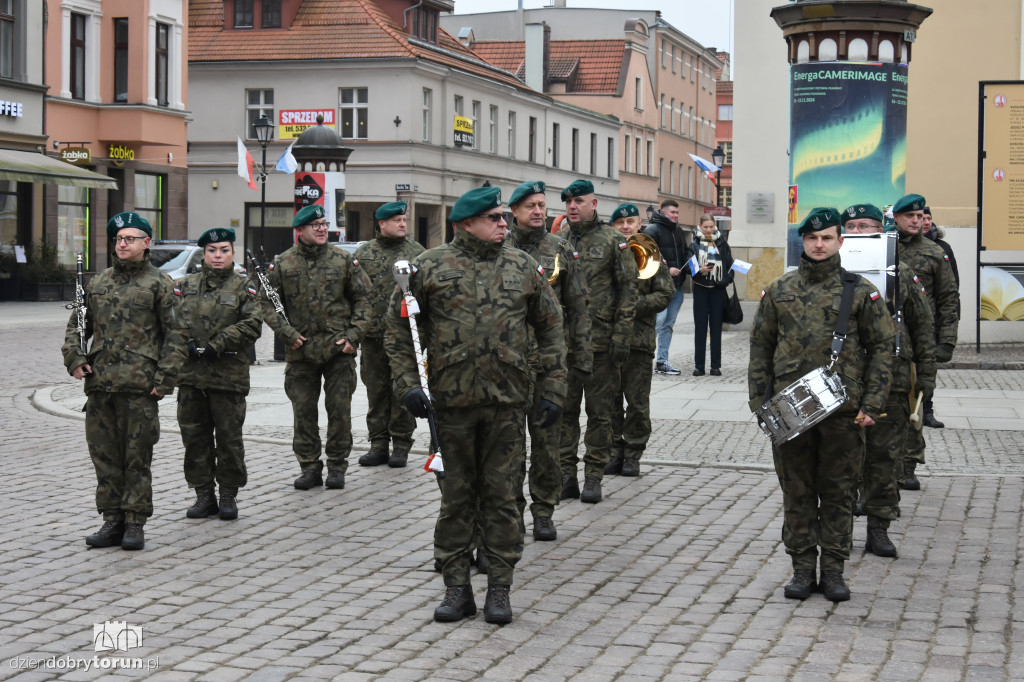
(179, 257)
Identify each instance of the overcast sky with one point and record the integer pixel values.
(709, 22)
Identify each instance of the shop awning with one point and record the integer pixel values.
(32, 167)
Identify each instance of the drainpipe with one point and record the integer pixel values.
(405, 14)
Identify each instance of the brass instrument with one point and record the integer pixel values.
(556, 271)
(647, 254)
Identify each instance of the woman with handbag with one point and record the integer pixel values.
(710, 261)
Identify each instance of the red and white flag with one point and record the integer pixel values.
(245, 165)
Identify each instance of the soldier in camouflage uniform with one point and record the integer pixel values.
(931, 265)
(223, 316)
(477, 296)
(631, 423)
(791, 336)
(886, 439)
(386, 419)
(326, 297)
(138, 348)
(527, 232)
(611, 274)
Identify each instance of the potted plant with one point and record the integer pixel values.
(45, 276)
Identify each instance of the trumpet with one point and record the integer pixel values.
(647, 254)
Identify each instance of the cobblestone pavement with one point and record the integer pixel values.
(675, 575)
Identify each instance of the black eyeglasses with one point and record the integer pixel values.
(316, 226)
(127, 240)
(493, 217)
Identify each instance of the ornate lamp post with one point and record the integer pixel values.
(718, 158)
(264, 133)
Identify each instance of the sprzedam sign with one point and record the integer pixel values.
(293, 122)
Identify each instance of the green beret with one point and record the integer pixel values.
(476, 201)
(524, 190)
(858, 211)
(217, 234)
(308, 215)
(911, 202)
(819, 219)
(578, 188)
(625, 211)
(127, 219)
(390, 210)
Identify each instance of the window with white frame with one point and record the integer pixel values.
(7, 38)
(428, 108)
(77, 52)
(724, 112)
(80, 58)
(673, 55)
(626, 146)
(555, 130)
(459, 105)
(532, 132)
(512, 134)
(593, 153)
(575, 149)
(476, 124)
(257, 103)
(650, 157)
(121, 59)
(161, 63)
(611, 157)
(492, 123)
(639, 93)
(727, 148)
(354, 105)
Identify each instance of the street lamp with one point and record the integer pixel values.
(718, 158)
(264, 133)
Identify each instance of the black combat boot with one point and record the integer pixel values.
(309, 478)
(630, 466)
(375, 457)
(878, 542)
(570, 487)
(614, 465)
(931, 421)
(335, 479)
(833, 586)
(544, 529)
(801, 585)
(497, 608)
(457, 604)
(591, 490)
(133, 538)
(398, 458)
(205, 505)
(228, 505)
(109, 534)
(910, 481)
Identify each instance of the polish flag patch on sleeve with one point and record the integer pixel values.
(874, 295)
(622, 246)
(177, 291)
(762, 293)
(251, 290)
(576, 255)
(946, 257)
(540, 269)
(270, 267)
(355, 261)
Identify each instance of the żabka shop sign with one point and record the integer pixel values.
(76, 155)
(120, 153)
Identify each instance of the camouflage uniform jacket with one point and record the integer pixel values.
(792, 335)
(222, 312)
(653, 296)
(138, 341)
(476, 299)
(326, 296)
(917, 340)
(930, 264)
(377, 259)
(610, 269)
(570, 289)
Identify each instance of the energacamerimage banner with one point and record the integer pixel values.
(848, 137)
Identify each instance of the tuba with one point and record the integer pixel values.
(647, 254)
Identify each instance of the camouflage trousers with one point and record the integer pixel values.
(302, 386)
(818, 471)
(913, 449)
(211, 429)
(882, 457)
(600, 388)
(386, 418)
(631, 406)
(483, 452)
(545, 471)
(121, 430)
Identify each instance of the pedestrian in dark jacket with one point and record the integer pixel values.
(713, 259)
(665, 230)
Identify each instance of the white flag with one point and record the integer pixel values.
(287, 163)
(741, 266)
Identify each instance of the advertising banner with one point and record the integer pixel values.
(463, 131)
(848, 138)
(327, 190)
(293, 122)
(1002, 175)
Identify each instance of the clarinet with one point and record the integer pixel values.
(79, 303)
(271, 292)
(402, 272)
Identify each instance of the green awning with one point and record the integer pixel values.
(32, 167)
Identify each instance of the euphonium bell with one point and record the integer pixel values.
(647, 254)
(557, 270)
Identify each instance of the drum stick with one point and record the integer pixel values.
(881, 416)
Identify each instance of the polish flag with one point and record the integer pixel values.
(245, 165)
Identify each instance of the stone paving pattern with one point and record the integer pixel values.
(676, 575)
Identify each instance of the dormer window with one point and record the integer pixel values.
(271, 15)
(268, 11)
(424, 24)
(244, 13)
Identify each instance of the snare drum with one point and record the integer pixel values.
(801, 405)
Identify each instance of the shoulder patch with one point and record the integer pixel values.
(622, 245)
(270, 267)
(576, 255)
(177, 291)
(251, 290)
(540, 269)
(946, 257)
(762, 293)
(916, 279)
(874, 295)
(355, 261)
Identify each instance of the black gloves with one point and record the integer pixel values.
(618, 353)
(417, 403)
(944, 352)
(194, 351)
(548, 414)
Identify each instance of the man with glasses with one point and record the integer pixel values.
(137, 351)
(325, 294)
(477, 295)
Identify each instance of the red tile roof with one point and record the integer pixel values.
(600, 61)
(326, 29)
